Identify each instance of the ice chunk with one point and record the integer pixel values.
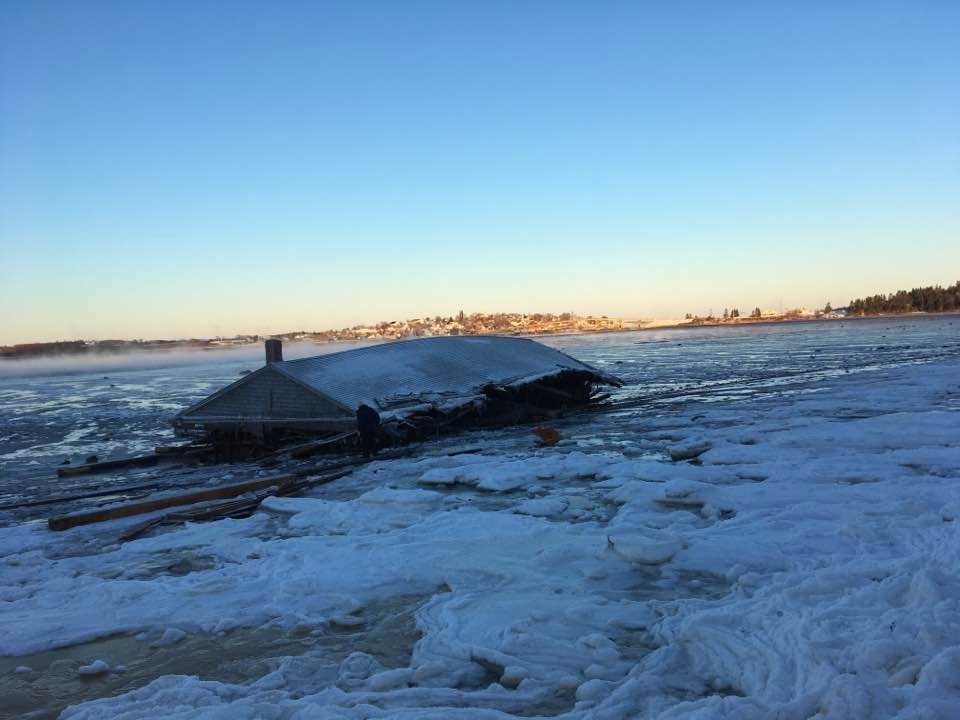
(543, 507)
(390, 679)
(643, 550)
(395, 497)
(97, 667)
(688, 451)
(356, 668)
(513, 675)
(942, 672)
(593, 690)
(171, 636)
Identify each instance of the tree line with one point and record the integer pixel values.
(925, 299)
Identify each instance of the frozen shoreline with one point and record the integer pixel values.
(54, 364)
(806, 567)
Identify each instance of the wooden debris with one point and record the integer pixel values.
(188, 448)
(201, 451)
(224, 491)
(297, 480)
(465, 451)
(240, 507)
(83, 496)
(540, 387)
(139, 461)
(308, 449)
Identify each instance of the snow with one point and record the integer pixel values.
(513, 471)
(804, 565)
(97, 667)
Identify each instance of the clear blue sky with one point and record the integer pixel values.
(170, 169)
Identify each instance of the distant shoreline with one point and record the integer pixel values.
(151, 347)
(747, 322)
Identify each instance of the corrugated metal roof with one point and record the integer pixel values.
(437, 369)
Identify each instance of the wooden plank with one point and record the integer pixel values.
(84, 496)
(465, 451)
(139, 461)
(285, 484)
(230, 508)
(308, 449)
(175, 450)
(66, 522)
(309, 482)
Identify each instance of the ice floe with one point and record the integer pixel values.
(781, 556)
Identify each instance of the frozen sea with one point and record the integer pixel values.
(762, 524)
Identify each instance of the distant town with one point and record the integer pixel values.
(922, 300)
(461, 324)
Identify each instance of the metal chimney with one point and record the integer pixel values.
(274, 350)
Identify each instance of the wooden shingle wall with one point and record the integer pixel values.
(268, 395)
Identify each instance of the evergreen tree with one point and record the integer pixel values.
(923, 299)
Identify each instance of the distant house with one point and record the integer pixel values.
(411, 383)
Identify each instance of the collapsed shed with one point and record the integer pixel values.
(418, 387)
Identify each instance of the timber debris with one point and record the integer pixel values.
(160, 453)
(241, 507)
(139, 461)
(285, 484)
(112, 513)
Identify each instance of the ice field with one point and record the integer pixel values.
(764, 525)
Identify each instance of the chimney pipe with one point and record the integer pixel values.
(274, 350)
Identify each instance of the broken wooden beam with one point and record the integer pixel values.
(308, 449)
(465, 451)
(174, 450)
(82, 496)
(231, 508)
(297, 479)
(66, 522)
(138, 461)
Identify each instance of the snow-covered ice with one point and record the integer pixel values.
(97, 667)
(798, 559)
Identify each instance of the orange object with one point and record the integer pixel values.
(548, 437)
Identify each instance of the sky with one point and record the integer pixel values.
(193, 169)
